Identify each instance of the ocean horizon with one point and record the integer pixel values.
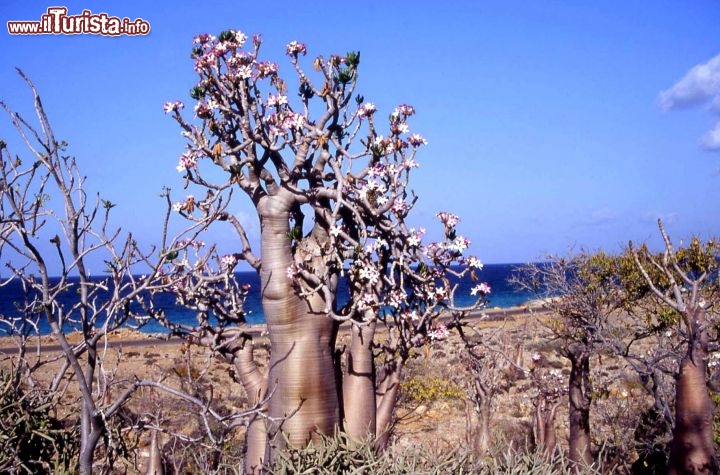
(503, 295)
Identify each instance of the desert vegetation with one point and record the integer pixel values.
(365, 364)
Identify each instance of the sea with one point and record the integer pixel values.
(503, 295)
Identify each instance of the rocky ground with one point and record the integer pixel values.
(435, 415)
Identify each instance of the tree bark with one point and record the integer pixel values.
(691, 449)
(255, 386)
(580, 395)
(301, 376)
(387, 397)
(359, 406)
(482, 434)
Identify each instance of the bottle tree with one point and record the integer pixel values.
(685, 282)
(328, 175)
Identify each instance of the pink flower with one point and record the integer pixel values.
(448, 219)
(416, 140)
(403, 109)
(294, 48)
(409, 163)
(399, 206)
(173, 106)
(245, 72)
(415, 237)
(240, 38)
(188, 160)
(202, 110)
(366, 110)
(440, 332)
(228, 261)
(459, 244)
(276, 101)
(368, 274)
(292, 272)
(482, 289)
(266, 69)
(335, 231)
(203, 38)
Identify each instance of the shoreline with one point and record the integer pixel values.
(136, 338)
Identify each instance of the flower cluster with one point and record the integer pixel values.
(173, 106)
(439, 333)
(714, 360)
(187, 161)
(228, 262)
(416, 140)
(276, 101)
(481, 289)
(366, 110)
(294, 48)
(551, 383)
(448, 219)
(474, 262)
(414, 238)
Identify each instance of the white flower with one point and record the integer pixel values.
(439, 333)
(240, 38)
(473, 261)
(245, 72)
(483, 289)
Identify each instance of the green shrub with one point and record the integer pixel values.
(426, 390)
(31, 439)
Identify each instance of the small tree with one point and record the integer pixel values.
(44, 200)
(493, 362)
(686, 282)
(331, 194)
(583, 293)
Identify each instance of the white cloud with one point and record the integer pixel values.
(711, 140)
(700, 85)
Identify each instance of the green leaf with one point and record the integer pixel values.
(352, 59)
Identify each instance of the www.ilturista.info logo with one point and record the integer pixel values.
(57, 22)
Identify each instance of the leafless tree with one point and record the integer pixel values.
(583, 294)
(50, 224)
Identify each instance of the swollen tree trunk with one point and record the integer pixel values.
(359, 407)
(387, 393)
(580, 395)
(301, 378)
(544, 427)
(691, 449)
(481, 444)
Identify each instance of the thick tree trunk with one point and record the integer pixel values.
(301, 378)
(691, 450)
(359, 406)
(254, 383)
(544, 427)
(387, 393)
(482, 435)
(580, 395)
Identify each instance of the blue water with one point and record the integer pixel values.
(496, 275)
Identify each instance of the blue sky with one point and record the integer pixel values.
(550, 124)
